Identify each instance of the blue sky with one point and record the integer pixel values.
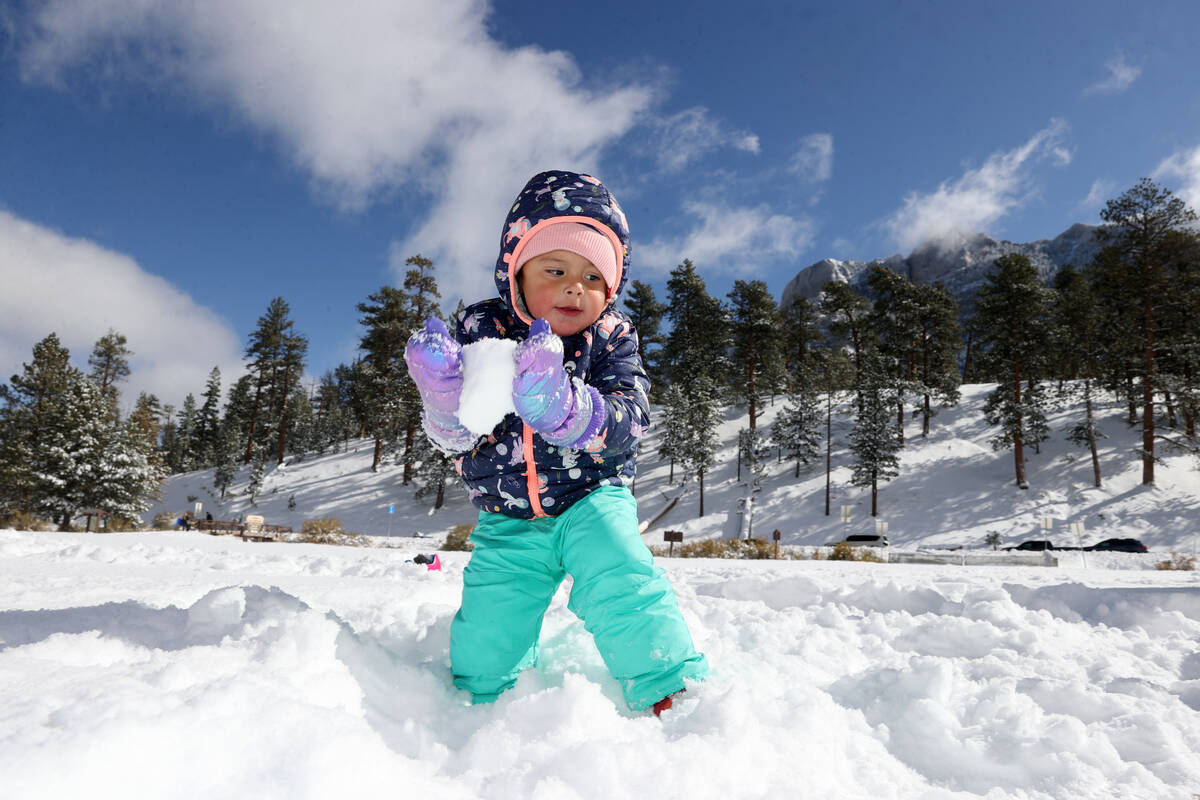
(169, 166)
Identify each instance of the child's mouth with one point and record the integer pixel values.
(568, 311)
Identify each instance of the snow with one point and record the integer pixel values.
(487, 364)
(183, 665)
(170, 664)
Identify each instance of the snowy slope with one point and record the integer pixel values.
(953, 491)
(176, 665)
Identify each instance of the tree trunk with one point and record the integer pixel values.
(828, 444)
(378, 456)
(1091, 430)
(1131, 398)
(874, 495)
(287, 377)
(900, 417)
(1018, 444)
(409, 435)
(702, 493)
(928, 412)
(1148, 395)
(441, 495)
(1189, 410)
(1169, 402)
(751, 389)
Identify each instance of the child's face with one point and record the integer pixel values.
(563, 288)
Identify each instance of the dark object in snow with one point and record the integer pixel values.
(433, 562)
(1035, 544)
(865, 540)
(1120, 545)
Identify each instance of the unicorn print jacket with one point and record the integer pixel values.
(512, 471)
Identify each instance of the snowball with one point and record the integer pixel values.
(488, 370)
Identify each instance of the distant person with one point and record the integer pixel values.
(208, 516)
(186, 519)
(552, 481)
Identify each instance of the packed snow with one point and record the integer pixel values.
(174, 665)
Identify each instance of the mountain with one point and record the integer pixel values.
(960, 261)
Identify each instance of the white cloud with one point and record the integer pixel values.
(979, 197)
(1102, 191)
(1121, 75)
(1184, 168)
(728, 239)
(813, 160)
(691, 134)
(368, 97)
(78, 289)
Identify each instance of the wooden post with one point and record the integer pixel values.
(775, 536)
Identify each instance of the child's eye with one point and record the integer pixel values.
(555, 272)
(594, 277)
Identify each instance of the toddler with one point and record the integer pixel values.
(552, 480)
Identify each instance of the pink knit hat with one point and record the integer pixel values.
(574, 237)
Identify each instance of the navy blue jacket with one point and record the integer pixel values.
(503, 468)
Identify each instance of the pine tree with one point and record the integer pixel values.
(207, 431)
(895, 319)
(330, 416)
(756, 332)
(1012, 320)
(674, 427)
(801, 339)
(697, 346)
(875, 440)
(434, 470)
(388, 323)
(422, 299)
(848, 313)
(699, 449)
(938, 344)
(276, 356)
(110, 365)
(797, 429)
(647, 313)
(1148, 229)
(181, 457)
(1076, 342)
(229, 447)
(303, 423)
(33, 416)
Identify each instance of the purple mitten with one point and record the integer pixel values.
(435, 363)
(564, 410)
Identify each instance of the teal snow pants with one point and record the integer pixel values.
(625, 602)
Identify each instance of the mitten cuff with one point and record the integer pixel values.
(446, 433)
(585, 420)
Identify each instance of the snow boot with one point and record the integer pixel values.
(665, 703)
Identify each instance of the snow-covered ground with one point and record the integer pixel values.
(180, 665)
(170, 664)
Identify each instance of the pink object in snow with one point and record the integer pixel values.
(436, 564)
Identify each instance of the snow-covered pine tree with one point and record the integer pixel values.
(422, 296)
(276, 357)
(207, 430)
(1012, 320)
(388, 321)
(434, 469)
(756, 332)
(703, 414)
(32, 414)
(302, 422)
(674, 427)
(229, 447)
(875, 440)
(181, 457)
(330, 416)
(797, 427)
(109, 362)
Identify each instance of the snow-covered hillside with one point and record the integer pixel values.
(953, 491)
(180, 665)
